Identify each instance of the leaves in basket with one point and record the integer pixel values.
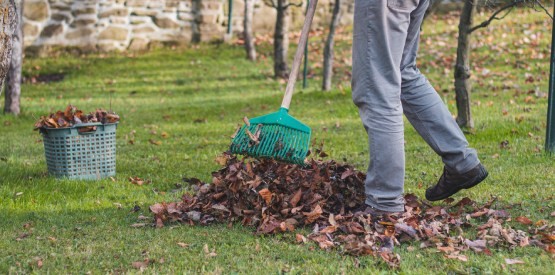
(72, 116)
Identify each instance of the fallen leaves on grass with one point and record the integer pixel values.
(276, 197)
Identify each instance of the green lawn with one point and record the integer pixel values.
(199, 95)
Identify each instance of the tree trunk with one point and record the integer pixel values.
(247, 30)
(13, 79)
(8, 22)
(328, 49)
(463, 85)
(281, 39)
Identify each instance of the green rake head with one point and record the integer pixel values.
(277, 135)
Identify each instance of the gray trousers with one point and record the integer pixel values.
(386, 83)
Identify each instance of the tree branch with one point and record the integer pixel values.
(271, 3)
(300, 4)
(544, 9)
(494, 15)
(509, 7)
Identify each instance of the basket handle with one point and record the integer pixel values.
(82, 125)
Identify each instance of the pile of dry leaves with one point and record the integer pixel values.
(324, 196)
(72, 116)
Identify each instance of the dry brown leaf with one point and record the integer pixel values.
(155, 142)
(209, 253)
(184, 245)
(157, 208)
(246, 120)
(138, 181)
(221, 160)
(137, 225)
(266, 195)
(139, 265)
(296, 198)
(300, 238)
(236, 132)
(514, 261)
(456, 256)
(523, 220)
(314, 214)
(252, 136)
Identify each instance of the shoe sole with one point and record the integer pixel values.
(477, 180)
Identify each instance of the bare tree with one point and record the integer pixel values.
(281, 38)
(328, 49)
(247, 30)
(13, 79)
(8, 22)
(463, 84)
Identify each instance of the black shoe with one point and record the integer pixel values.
(451, 183)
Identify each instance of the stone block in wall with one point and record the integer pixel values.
(79, 10)
(169, 10)
(144, 29)
(114, 33)
(52, 30)
(122, 12)
(138, 44)
(62, 17)
(185, 16)
(212, 5)
(180, 38)
(118, 20)
(80, 33)
(172, 3)
(106, 46)
(136, 3)
(60, 6)
(83, 20)
(156, 5)
(138, 20)
(165, 22)
(185, 6)
(144, 12)
(102, 23)
(210, 18)
(36, 10)
(30, 29)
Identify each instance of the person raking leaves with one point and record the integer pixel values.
(387, 83)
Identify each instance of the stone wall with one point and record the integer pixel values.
(107, 25)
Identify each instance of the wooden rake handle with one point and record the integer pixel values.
(298, 55)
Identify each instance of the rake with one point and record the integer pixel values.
(279, 135)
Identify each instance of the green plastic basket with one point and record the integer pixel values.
(76, 155)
